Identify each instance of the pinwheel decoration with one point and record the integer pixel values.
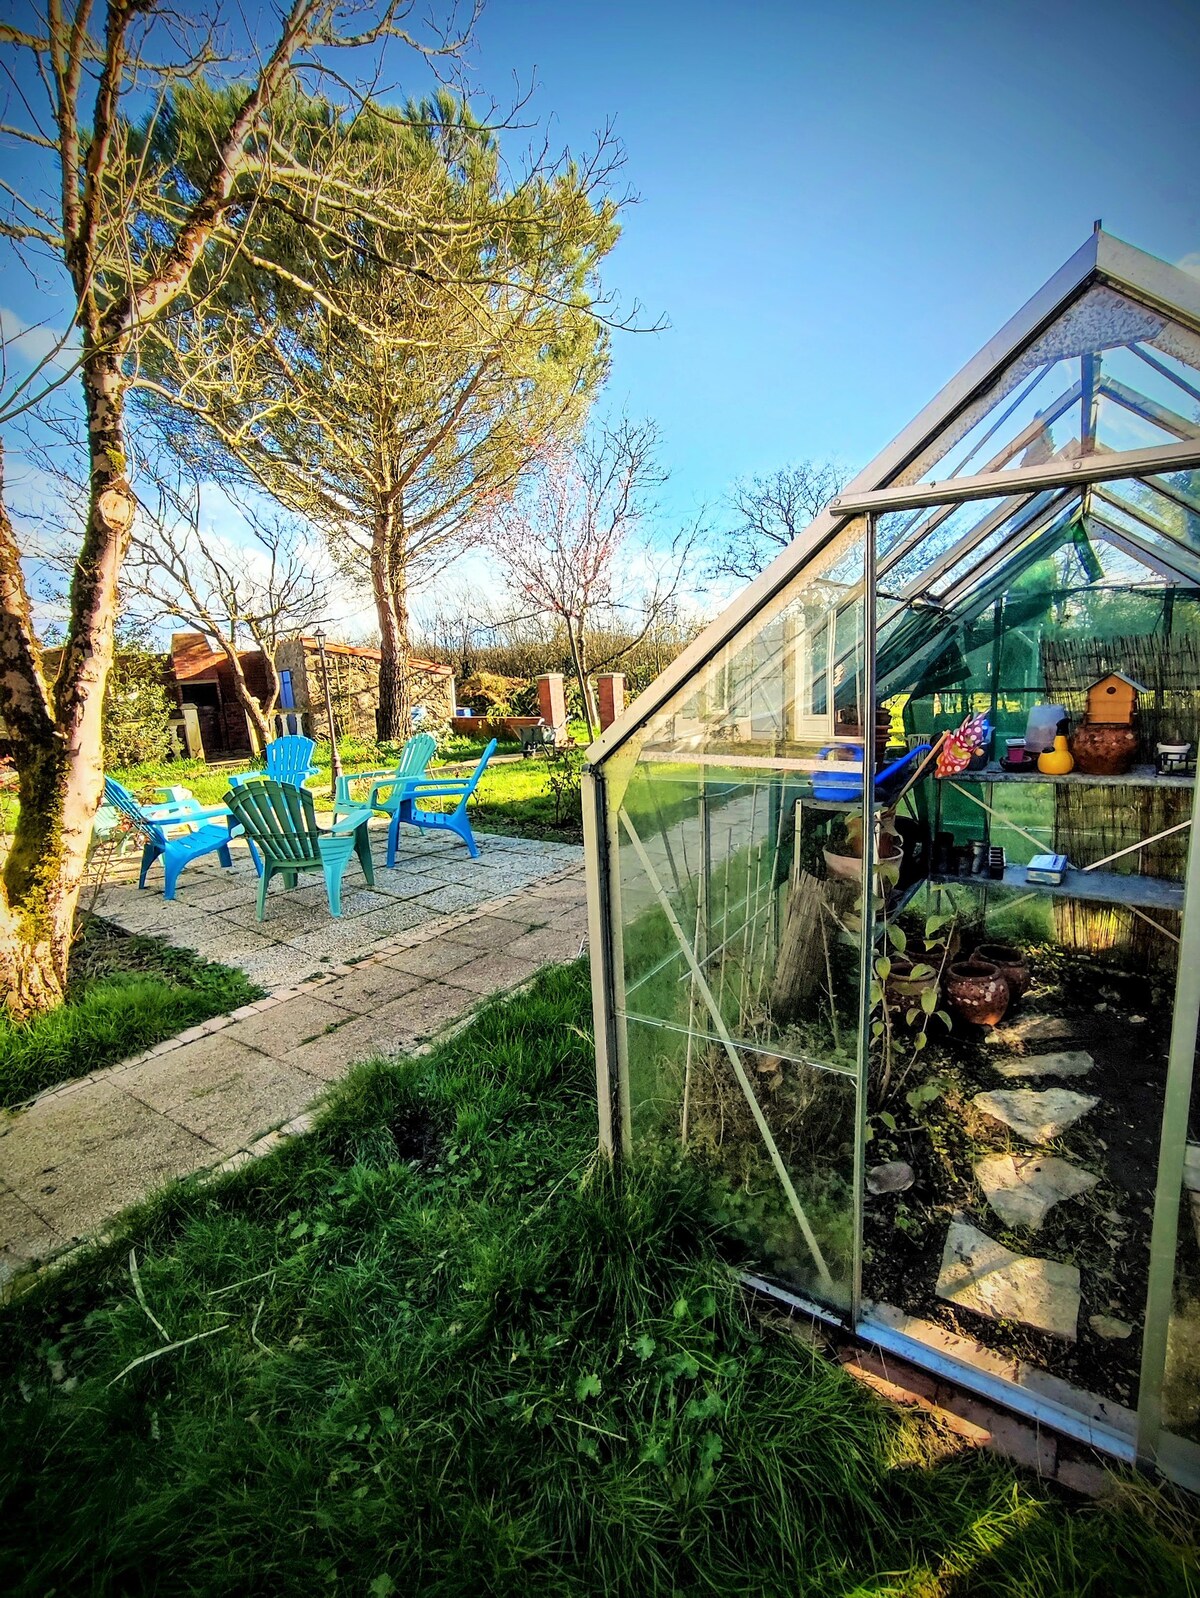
(962, 746)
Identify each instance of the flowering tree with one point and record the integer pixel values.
(574, 546)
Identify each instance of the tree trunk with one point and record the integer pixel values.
(389, 585)
(56, 746)
(589, 712)
(257, 715)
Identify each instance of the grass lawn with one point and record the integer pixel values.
(124, 994)
(434, 1348)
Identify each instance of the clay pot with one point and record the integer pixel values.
(977, 991)
(1011, 964)
(903, 989)
(1104, 748)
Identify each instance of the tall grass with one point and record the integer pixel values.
(125, 994)
(439, 1350)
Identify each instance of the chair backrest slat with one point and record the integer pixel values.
(280, 818)
(289, 759)
(121, 799)
(416, 755)
(473, 779)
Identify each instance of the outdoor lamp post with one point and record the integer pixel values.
(335, 759)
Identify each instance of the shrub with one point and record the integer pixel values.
(137, 710)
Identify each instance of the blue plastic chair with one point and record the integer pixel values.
(288, 760)
(281, 819)
(414, 757)
(176, 853)
(456, 820)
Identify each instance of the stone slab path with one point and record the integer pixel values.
(982, 1275)
(214, 910)
(234, 1087)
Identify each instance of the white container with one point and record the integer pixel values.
(1042, 727)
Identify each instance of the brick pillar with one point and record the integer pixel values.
(610, 686)
(552, 699)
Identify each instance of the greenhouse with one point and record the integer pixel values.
(893, 894)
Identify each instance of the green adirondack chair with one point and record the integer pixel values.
(389, 781)
(281, 820)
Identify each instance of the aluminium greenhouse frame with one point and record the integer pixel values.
(1038, 495)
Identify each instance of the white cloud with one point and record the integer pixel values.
(36, 342)
(1190, 263)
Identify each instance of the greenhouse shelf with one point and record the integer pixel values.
(1139, 777)
(1101, 887)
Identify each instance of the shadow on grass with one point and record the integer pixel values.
(438, 1349)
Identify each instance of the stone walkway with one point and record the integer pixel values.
(232, 1088)
(214, 910)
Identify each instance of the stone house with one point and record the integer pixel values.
(203, 684)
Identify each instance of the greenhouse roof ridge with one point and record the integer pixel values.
(1102, 259)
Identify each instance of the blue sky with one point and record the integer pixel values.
(841, 203)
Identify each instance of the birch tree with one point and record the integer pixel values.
(124, 236)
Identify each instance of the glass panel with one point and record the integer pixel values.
(1080, 383)
(798, 1227)
(739, 859)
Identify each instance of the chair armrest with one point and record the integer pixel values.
(431, 790)
(165, 814)
(349, 822)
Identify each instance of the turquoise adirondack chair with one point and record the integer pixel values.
(456, 820)
(288, 760)
(177, 853)
(281, 819)
(414, 757)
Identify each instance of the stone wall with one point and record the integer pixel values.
(354, 687)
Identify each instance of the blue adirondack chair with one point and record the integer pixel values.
(281, 819)
(288, 760)
(153, 821)
(456, 820)
(387, 785)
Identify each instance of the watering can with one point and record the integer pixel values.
(846, 786)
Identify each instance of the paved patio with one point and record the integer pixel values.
(214, 908)
(231, 1089)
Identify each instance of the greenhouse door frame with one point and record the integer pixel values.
(1150, 1444)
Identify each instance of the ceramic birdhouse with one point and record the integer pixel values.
(1113, 700)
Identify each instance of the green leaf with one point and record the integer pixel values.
(679, 1308)
(922, 971)
(910, 1016)
(888, 1119)
(896, 938)
(944, 1017)
(876, 1029)
(929, 1000)
(920, 1041)
(883, 968)
(588, 1387)
(382, 1587)
(644, 1346)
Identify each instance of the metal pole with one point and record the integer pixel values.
(866, 920)
(335, 759)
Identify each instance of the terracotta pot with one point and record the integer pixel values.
(1011, 964)
(902, 987)
(1104, 748)
(849, 866)
(977, 991)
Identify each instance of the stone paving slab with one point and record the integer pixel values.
(234, 1087)
(983, 1276)
(1022, 1189)
(1039, 1117)
(214, 911)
